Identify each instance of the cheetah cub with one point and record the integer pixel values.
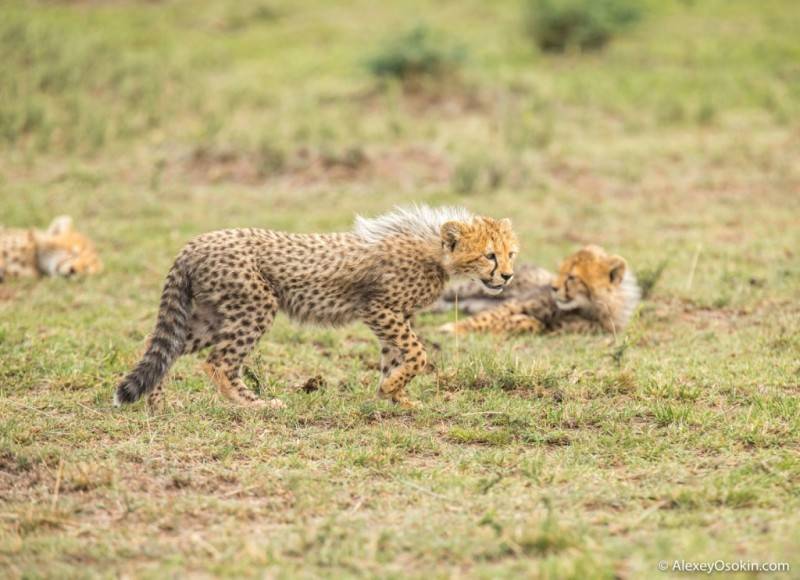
(60, 250)
(225, 287)
(592, 291)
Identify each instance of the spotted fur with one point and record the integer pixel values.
(57, 251)
(591, 291)
(225, 288)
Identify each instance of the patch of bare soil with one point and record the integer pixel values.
(404, 168)
(102, 2)
(461, 101)
(18, 479)
(669, 181)
(13, 465)
(700, 316)
(449, 98)
(222, 165)
(581, 178)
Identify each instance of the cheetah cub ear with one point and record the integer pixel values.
(61, 225)
(616, 269)
(451, 232)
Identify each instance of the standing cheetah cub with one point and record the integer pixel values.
(225, 287)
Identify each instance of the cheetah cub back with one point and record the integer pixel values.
(225, 287)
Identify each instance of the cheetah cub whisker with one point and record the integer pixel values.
(225, 287)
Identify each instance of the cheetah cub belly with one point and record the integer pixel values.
(225, 287)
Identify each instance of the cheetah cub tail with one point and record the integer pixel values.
(166, 343)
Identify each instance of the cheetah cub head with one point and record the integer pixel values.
(483, 249)
(588, 277)
(63, 251)
(598, 285)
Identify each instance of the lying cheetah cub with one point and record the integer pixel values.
(59, 250)
(225, 287)
(592, 291)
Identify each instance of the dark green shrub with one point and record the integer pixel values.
(562, 25)
(416, 54)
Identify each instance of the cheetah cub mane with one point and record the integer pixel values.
(417, 221)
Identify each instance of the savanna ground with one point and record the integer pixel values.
(551, 456)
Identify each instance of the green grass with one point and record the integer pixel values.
(556, 456)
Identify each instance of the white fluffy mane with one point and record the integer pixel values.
(631, 294)
(418, 221)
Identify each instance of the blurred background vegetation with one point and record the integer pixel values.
(271, 76)
(582, 115)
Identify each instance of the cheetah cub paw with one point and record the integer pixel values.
(273, 404)
(449, 328)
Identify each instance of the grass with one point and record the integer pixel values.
(556, 456)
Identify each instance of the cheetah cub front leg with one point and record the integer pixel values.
(508, 318)
(402, 355)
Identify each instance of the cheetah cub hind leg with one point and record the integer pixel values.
(245, 319)
(236, 390)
